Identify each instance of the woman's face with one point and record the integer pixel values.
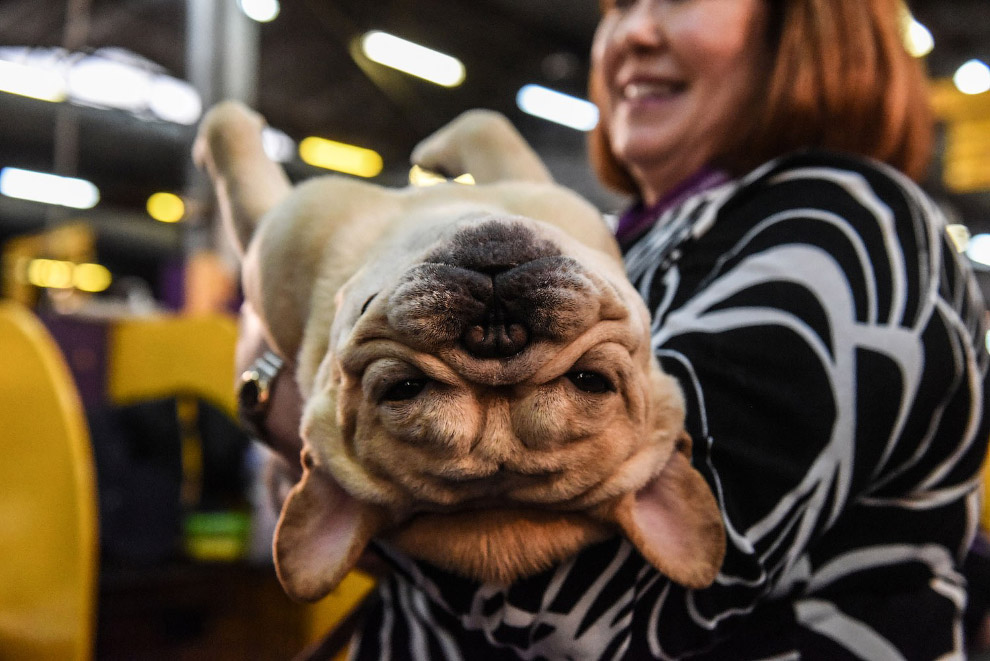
(677, 76)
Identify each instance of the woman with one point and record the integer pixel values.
(825, 334)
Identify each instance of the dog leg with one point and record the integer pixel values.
(484, 144)
(247, 182)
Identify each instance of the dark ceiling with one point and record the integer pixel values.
(309, 84)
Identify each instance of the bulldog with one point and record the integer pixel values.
(479, 386)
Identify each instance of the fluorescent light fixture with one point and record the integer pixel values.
(166, 207)
(31, 81)
(341, 157)
(59, 274)
(978, 249)
(557, 107)
(973, 77)
(52, 273)
(48, 188)
(91, 277)
(108, 78)
(918, 39)
(277, 145)
(412, 58)
(106, 83)
(174, 100)
(262, 11)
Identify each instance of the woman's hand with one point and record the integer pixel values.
(279, 426)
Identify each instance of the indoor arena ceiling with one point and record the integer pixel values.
(309, 84)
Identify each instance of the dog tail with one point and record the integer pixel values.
(246, 181)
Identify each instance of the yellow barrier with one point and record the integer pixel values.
(48, 527)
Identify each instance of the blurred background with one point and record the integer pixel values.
(107, 237)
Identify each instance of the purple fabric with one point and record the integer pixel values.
(84, 345)
(637, 219)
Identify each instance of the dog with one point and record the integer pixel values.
(479, 386)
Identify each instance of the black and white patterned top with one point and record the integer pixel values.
(829, 342)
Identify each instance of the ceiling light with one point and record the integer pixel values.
(48, 188)
(262, 11)
(557, 107)
(51, 273)
(107, 83)
(341, 157)
(61, 274)
(973, 77)
(174, 100)
(166, 207)
(31, 81)
(978, 249)
(277, 145)
(918, 39)
(91, 277)
(108, 78)
(412, 58)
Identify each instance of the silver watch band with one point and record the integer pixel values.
(254, 392)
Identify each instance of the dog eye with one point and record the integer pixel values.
(404, 390)
(592, 382)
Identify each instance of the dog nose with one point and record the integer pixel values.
(491, 249)
(497, 338)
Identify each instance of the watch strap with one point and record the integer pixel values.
(254, 391)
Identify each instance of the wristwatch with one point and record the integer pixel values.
(254, 392)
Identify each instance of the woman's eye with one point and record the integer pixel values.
(592, 382)
(405, 390)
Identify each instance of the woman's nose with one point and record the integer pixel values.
(641, 24)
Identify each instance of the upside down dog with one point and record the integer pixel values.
(480, 390)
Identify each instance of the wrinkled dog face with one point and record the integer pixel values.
(506, 366)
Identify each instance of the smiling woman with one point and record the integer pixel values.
(764, 78)
(673, 77)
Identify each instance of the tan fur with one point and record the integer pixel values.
(502, 466)
(498, 546)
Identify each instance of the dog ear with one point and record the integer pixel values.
(246, 181)
(675, 522)
(484, 144)
(320, 535)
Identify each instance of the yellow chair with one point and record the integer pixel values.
(188, 357)
(48, 526)
(164, 356)
(194, 356)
